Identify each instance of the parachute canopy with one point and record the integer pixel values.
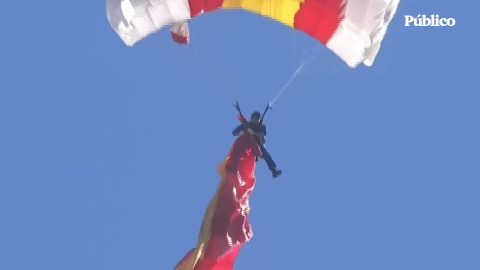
(353, 29)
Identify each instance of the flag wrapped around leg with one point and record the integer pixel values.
(225, 227)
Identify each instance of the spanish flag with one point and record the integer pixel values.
(225, 227)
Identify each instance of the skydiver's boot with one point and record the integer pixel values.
(276, 173)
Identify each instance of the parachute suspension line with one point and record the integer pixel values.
(287, 84)
(305, 61)
(241, 117)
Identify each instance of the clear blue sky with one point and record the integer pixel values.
(108, 153)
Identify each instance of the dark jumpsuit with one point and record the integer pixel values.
(260, 128)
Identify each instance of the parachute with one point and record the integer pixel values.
(352, 29)
(226, 227)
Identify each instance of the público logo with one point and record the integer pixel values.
(432, 20)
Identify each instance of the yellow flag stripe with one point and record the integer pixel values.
(281, 10)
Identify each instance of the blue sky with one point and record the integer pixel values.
(108, 153)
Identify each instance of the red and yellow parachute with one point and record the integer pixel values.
(353, 29)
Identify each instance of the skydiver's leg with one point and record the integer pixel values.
(268, 159)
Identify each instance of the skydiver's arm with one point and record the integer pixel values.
(237, 130)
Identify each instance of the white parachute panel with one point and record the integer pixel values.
(360, 34)
(134, 20)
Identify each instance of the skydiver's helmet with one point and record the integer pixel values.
(255, 117)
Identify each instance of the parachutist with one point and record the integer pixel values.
(259, 131)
